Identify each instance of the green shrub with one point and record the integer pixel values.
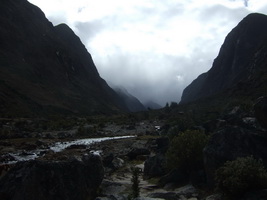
(236, 177)
(135, 192)
(185, 151)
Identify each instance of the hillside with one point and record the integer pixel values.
(240, 68)
(46, 69)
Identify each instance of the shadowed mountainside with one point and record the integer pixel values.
(240, 68)
(47, 69)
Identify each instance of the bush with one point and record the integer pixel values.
(135, 183)
(185, 151)
(236, 177)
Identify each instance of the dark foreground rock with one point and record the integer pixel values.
(155, 166)
(230, 143)
(73, 179)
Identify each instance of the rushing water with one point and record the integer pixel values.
(59, 146)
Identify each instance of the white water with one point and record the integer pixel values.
(59, 146)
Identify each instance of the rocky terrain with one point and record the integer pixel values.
(65, 134)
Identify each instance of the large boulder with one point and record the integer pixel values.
(155, 166)
(73, 179)
(230, 143)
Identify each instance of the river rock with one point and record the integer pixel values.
(73, 179)
(230, 143)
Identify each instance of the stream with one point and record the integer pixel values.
(57, 147)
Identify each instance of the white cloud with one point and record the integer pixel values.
(153, 48)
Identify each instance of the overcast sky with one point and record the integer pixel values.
(153, 48)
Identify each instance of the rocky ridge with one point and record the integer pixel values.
(46, 70)
(239, 68)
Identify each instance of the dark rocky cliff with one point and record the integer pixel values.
(240, 66)
(46, 69)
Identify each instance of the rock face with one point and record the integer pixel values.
(240, 65)
(47, 69)
(77, 180)
(230, 143)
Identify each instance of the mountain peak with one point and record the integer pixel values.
(233, 64)
(47, 69)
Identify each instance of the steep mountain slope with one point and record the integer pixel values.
(241, 66)
(46, 69)
(132, 103)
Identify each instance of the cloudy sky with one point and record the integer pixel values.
(153, 48)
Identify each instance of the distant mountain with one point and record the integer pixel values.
(46, 69)
(240, 68)
(132, 103)
(152, 105)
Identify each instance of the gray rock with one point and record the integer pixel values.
(53, 180)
